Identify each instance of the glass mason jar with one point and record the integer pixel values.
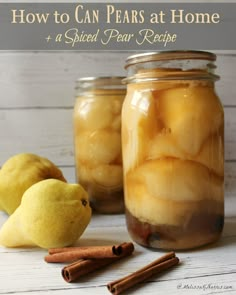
(173, 150)
(97, 139)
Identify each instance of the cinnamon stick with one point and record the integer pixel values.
(76, 253)
(155, 262)
(52, 251)
(115, 248)
(143, 274)
(79, 268)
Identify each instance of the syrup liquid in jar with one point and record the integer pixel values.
(97, 140)
(173, 150)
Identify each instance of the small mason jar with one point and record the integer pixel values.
(173, 150)
(97, 139)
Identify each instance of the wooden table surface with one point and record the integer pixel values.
(208, 270)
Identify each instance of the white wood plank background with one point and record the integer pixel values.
(48, 79)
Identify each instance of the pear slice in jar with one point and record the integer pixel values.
(139, 125)
(93, 114)
(164, 145)
(156, 210)
(148, 208)
(191, 113)
(84, 175)
(210, 155)
(101, 146)
(170, 191)
(178, 180)
(108, 176)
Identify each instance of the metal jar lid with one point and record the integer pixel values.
(169, 55)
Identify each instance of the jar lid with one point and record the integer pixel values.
(169, 55)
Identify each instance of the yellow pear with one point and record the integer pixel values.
(19, 173)
(52, 214)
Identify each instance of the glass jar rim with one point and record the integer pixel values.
(101, 80)
(169, 55)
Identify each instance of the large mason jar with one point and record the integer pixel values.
(173, 150)
(97, 139)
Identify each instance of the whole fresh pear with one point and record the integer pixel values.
(52, 214)
(19, 173)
